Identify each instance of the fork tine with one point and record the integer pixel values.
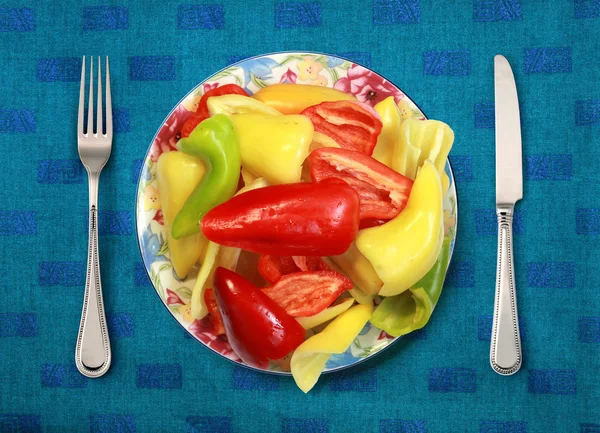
(99, 103)
(90, 122)
(81, 100)
(109, 119)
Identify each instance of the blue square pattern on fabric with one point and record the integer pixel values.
(62, 376)
(560, 382)
(161, 376)
(20, 423)
(396, 12)
(120, 324)
(497, 10)
(17, 222)
(589, 428)
(20, 19)
(17, 121)
(194, 17)
(18, 325)
(304, 425)
(587, 8)
(105, 18)
(60, 171)
(485, 115)
(587, 221)
(446, 63)
(112, 424)
(297, 14)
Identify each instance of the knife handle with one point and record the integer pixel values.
(505, 350)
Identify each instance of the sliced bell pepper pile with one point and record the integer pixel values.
(410, 310)
(383, 192)
(293, 98)
(213, 310)
(238, 104)
(274, 147)
(421, 140)
(390, 132)
(326, 315)
(309, 359)
(304, 294)
(287, 220)
(257, 328)
(202, 111)
(177, 175)
(349, 124)
(359, 270)
(215, 256)
(214, 142)
(272, 268)
(403, 250)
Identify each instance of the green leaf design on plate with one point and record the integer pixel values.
(185, 293)
(164, 249)
(258, 82)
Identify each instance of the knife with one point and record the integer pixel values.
(505, 348)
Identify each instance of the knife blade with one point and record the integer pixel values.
(505, 348)
(509, 170)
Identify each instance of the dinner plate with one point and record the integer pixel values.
(253, 74)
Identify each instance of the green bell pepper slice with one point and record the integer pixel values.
(214, 141)
(411, 310)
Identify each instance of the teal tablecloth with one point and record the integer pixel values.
(437, 381)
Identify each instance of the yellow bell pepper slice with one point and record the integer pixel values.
(404, 249)
(238, 104)
(321, 140)
(177, 175)
(356, 266)
(358, 295)
(421, 140)
(390, 133)
(293, 98)
(445, 183)
(325, 315)
(274, 147)
(215, 256)
(309, 359)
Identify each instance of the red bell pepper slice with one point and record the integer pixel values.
(213, 309)
(350, 125)
(202, 111)
(227, 89)
(301, 219)
(272, 268)
(257, 328)
(305, 294)
(383, 192)
(309, 263)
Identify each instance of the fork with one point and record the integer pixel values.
(92, 354)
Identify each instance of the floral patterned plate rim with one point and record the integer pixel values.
(252, 74)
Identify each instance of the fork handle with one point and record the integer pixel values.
(505, 349)
(92, 354)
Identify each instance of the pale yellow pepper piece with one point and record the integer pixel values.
(215, 256)
(356, 266)
(325, 315)
(358, 295)
(445, 183)
(421, 140)
(293, 98)
(177, 175)
(404, 249)
(390, 133)
(274, 147)
(309, 359)
(238, 104)
(321, 140)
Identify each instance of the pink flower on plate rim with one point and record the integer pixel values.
(367, 86)
(169, 133)
(208, 86)
(288, 77)
(173, 298)
(204, 331)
